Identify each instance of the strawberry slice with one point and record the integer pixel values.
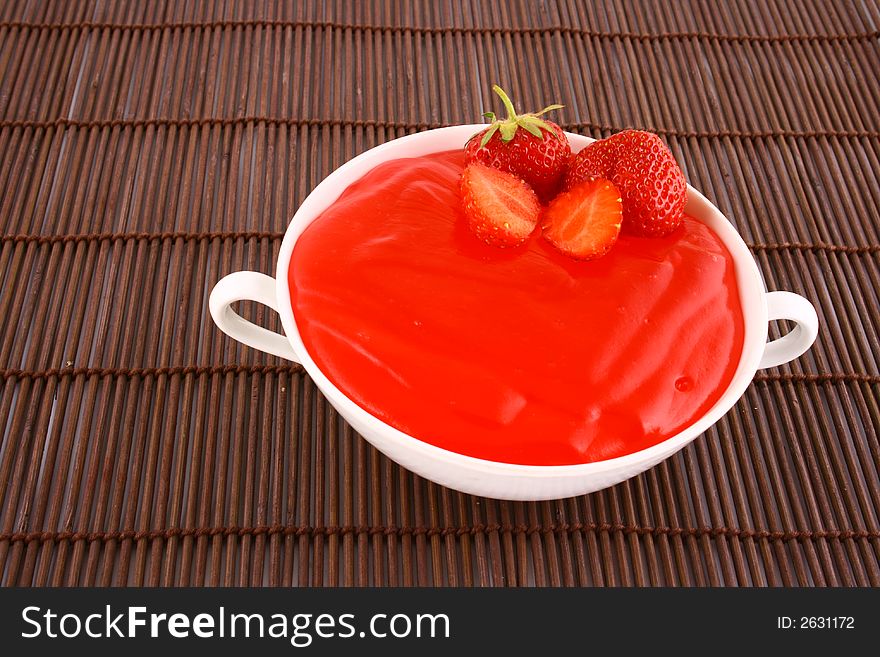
(500, 208)
(584, 222)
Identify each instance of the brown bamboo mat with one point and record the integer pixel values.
(147, 149)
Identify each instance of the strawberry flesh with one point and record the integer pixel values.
(584, 222)
(500, 208)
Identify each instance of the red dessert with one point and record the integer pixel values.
(520, 355)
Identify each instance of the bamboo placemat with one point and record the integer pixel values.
(147, 149)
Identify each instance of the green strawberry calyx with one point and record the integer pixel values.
(508, 127)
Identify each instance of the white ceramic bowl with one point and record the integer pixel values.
(478, 476)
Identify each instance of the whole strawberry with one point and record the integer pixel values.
(651, 184)
(525, 145)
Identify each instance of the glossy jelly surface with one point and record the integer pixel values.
(515, 355)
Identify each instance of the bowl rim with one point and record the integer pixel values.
(749, 281)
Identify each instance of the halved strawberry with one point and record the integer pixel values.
(500, 208)
(584, 222)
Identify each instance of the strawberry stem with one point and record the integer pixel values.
(508, 127)
(511, 112)
(548, 109)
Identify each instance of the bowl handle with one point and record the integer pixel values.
(248, 286)
(787, 305)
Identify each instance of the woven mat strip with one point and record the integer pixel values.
(197, 370)
(276, 235)
(550, 30)
(415, 127)
(528, 530)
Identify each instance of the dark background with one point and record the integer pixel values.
(147, 149)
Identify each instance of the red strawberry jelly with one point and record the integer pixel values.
(516, 355)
